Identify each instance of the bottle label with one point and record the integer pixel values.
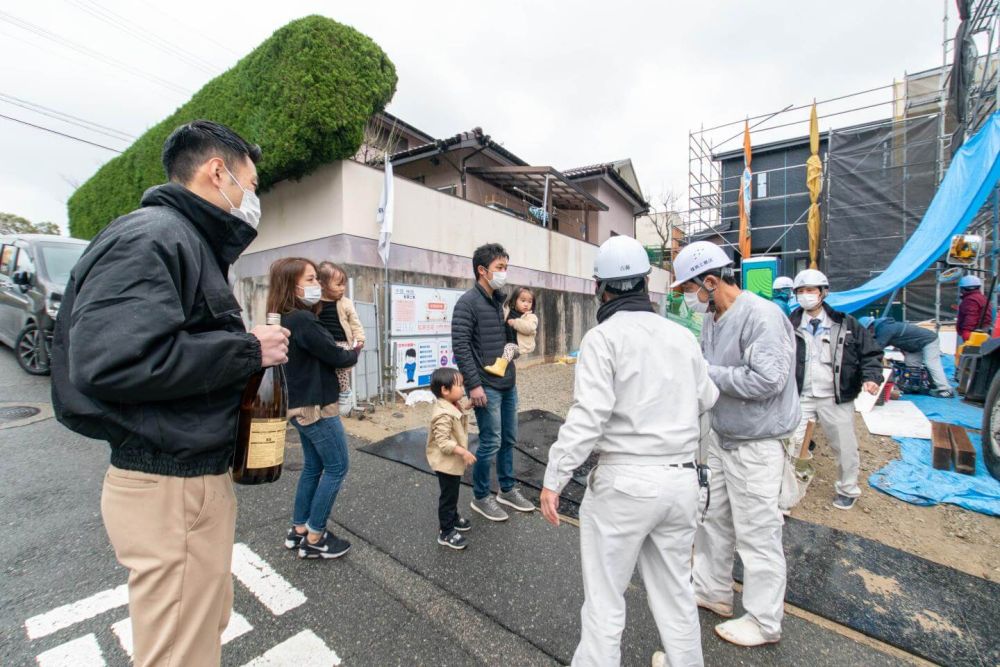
(267, 443)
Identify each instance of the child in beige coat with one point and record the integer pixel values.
(518, 313)
(336, 312)
(448, 454)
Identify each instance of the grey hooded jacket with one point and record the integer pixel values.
(751, 358)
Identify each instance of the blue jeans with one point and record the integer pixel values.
(497, 424)
(324, 450)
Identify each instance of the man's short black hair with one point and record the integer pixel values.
(193, 143)
(410, 353)
(484, 256)
(638, 287)
(443, 378)
(726, 276)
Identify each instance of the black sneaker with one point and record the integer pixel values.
(463, 525)
(329, 546)
(293, 539)
(453, 540)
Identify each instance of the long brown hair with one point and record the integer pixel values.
(285, 273)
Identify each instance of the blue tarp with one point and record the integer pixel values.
(969, 180)
(915, 480)
(948, 410)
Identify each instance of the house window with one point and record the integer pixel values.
(762, 184)
(449, 189)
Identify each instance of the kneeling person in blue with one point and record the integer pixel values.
(836, 358)
(919, 346)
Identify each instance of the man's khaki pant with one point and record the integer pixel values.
(175, 535)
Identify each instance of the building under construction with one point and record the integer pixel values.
(884, 152)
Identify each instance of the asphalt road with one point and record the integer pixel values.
(397, 599)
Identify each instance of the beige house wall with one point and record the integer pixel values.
(342, 198)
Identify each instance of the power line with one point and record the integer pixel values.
(61, 134)
(67, 118)
(143, 34)
(190, 27)
(91, 53)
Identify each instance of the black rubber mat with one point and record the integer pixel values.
(924, 608)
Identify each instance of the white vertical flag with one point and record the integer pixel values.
(384, 217)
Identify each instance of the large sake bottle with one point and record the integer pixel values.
(260, 438)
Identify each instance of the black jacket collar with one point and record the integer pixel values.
(835, 315)
(496, 299)
(226, 235)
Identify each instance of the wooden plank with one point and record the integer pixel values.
(964, 452)
(807, 438)
(941, 452)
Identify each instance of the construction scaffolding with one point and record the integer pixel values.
(884, 152)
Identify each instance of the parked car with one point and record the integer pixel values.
(34, 270)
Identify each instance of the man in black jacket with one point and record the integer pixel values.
(478, 336)
(151, 355)
(836, 358)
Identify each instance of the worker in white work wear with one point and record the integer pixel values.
(641, 384)
(750, 348)
(836, 358)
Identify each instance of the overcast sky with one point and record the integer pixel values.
(558, 83)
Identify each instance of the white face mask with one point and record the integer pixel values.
(311, 294)
(808, 301)
(695, 304)
(249, 209)
(499, 279)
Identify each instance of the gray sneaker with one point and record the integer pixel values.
(515, 499)
(842, 502)
(488, 508)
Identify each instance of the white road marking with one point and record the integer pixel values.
(303, 650)
(238, 626)
(75, 612)
(81, 652)
(273, 590)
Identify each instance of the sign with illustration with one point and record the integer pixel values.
(422, 311)
(417, 358)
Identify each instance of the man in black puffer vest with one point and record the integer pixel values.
(478, 336)
(150, 354)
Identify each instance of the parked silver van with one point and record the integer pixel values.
(34, 270)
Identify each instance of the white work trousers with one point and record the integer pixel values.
(743, 517)
(643, 514)
(837, 422)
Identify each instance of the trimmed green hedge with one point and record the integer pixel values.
(305, 95)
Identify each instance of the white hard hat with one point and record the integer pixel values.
(782, 282)
(620, 258)
(811, 278)
(696, 259)
(970, 282)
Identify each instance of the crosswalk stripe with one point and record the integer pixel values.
(303, 650)
(238, 626)
(75, 612)
(273, 590)
(80, 652)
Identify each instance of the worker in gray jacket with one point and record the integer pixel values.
(641, 385)
(750, 348)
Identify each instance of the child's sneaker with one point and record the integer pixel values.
(346, 402)
(293, 539)
(453, 540)
(328, 546)
(463, 525)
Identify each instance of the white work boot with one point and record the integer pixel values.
(659, 659)
(718, 608)
(744, 631)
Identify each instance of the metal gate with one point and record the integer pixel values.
(366, 373)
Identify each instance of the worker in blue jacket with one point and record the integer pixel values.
(918, 345)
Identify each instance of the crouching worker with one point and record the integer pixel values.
(836, 358)
(641, 384)
(919, 346)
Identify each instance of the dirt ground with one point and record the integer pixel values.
(946, 534)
